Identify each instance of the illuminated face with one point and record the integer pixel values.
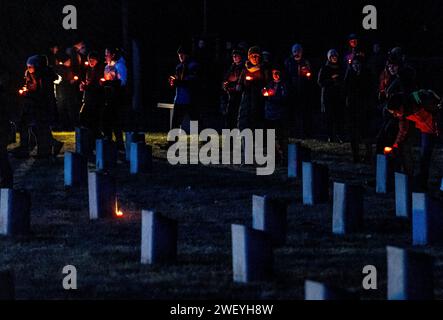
(182, 57)
(237, 58)
(55, 50)
(92, 62)
(393, 69)
(298, 55)
(353, 43)
(31, 69)
(254, 59)
(333, 59)
(276, 75)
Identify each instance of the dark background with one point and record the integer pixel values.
(30, 26)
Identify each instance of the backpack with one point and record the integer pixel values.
(429, 100)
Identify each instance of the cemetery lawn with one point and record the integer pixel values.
(205, 201)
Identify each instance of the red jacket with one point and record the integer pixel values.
(424, 121)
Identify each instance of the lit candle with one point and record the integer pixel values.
(388, 150)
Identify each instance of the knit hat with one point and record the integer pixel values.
(296, 47)
(254, 50)
(34, 61)
(331, 53)
(352, 36)
(93, 55)
(183, 49)
(237, 52)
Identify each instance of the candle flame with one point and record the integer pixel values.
(75, 78)
(118, 212)
(388, 150)
(86, 63)
(249, 78)
(309, 74)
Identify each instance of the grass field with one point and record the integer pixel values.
(205, 201)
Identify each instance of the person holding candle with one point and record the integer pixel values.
(93, 96)
(421, 108)
(300, 76)
(186, 82)
(232, 94)
(116, 79)
(253, 80)
(330, 80)
(276, 103)
(358, 108)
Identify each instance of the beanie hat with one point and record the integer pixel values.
(331, 53)
(254, 50)
(352, 36)
(34, 61)
(237, 52)
(93, 55)
(183, 49)
(296, 47)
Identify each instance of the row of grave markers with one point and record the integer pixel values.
(138, 154)
(252, 248)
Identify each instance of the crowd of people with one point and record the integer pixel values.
(356, 90)
(70, 88)
(67, 89)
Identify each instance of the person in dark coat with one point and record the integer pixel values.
(186, 83)
(276, 109)
(115, 84)
(330, 79)
(38, 108)
(421, 108)
(68, 105)
(93, 96)
(300, 76)
(253, 80)
(354, 50)
(358, 108)
(399, 78)
(232, 90)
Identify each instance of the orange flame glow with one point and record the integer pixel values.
(308, 74)
(118, 212)
(388, 150)
(86, 63)
(249, 78)
(75, 78)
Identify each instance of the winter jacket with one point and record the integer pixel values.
(93, 90)
(299, 74)
(253, 80)
(232, 77)
(421, 108)
(276, 95)
(186, 83)
(330, 79)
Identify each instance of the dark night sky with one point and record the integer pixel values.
(28, 26)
